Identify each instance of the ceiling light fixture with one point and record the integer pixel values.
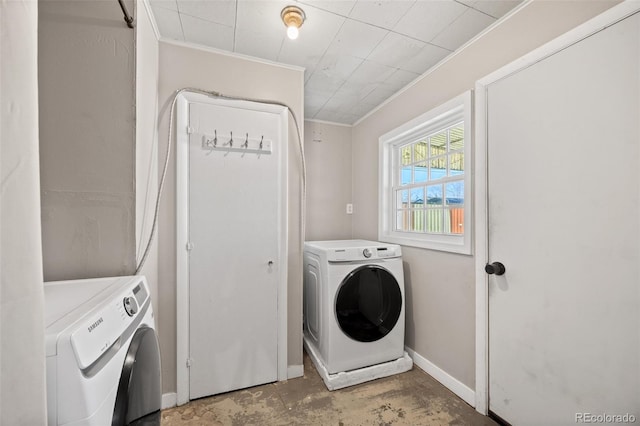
(293, 18)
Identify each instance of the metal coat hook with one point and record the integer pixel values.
(261, 139)
(215, 138)
(246, 141)
(231, 140)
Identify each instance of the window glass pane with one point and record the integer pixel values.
(402, 220)
(434, 195)
(420, 172)
(456, 137)
(434, 221)
(419, 151)
(417, 197)
(455, 193)
(456, 164)
(402, 199)
(405, 155)
(405, 175)
(417, 220)
(438, 168)
(456, 220)
(438, 144)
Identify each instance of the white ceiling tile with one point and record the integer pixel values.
(425, 59)
(341, 103)
(261, 16)
(169, 24)
(380, 94)
(463, 29)
(382, 13)
(340, 7)
(218, 11)
(336, 117)
(207, 33)
(341, 66)
(396, 49)
(496, 8)
(356, 39)
(323, 83)
(370, 72)
(357, 88)
(268, 47)
(426, 19)
(401, 78)
(315, 98)
(165, 4)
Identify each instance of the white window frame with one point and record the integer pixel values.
(456, 110)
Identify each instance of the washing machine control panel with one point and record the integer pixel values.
(104, 325)
(363, 253)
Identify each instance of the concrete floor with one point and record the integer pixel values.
(411, 398)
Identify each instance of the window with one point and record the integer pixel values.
(425, 180)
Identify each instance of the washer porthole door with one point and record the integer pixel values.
(368, 303)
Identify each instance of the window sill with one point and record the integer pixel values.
(446, 243)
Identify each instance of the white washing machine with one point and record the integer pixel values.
(353, 303)
(103, 358)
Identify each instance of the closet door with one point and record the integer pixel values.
(564, 219)
(235, 232)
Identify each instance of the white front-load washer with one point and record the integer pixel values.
(353, 303)
(102, 353)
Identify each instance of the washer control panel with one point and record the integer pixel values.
(354, 254)
(104, 325)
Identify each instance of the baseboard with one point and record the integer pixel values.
(294, 371)
(453, 384)
(169, 400)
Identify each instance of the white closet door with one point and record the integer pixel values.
(234, 217)
(564, 219)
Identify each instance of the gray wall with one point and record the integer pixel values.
(182, 66)
(328, 156)
(86, 66)
(22, 352)
(440, 286)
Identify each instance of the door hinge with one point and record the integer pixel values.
(190, 130)
(189, 246)
(188, 362)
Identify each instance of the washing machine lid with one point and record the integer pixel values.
(91, 314)
(353, 250)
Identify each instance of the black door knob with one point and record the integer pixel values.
(496, 268)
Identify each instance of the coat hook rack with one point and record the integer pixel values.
(250, 145)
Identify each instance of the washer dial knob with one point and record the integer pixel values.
(130, 305)
(366, 253)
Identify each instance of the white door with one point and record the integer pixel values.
(564, 219)
(235, 216)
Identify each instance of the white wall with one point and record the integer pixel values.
(328, 155)
(440, 286)
(146, 183)
(182, 66)
(22, 354)
(86, 65)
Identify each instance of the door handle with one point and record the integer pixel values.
(496, 268)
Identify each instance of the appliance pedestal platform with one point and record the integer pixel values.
(355, 377)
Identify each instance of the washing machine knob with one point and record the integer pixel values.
(367, 253)
(130, 305)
